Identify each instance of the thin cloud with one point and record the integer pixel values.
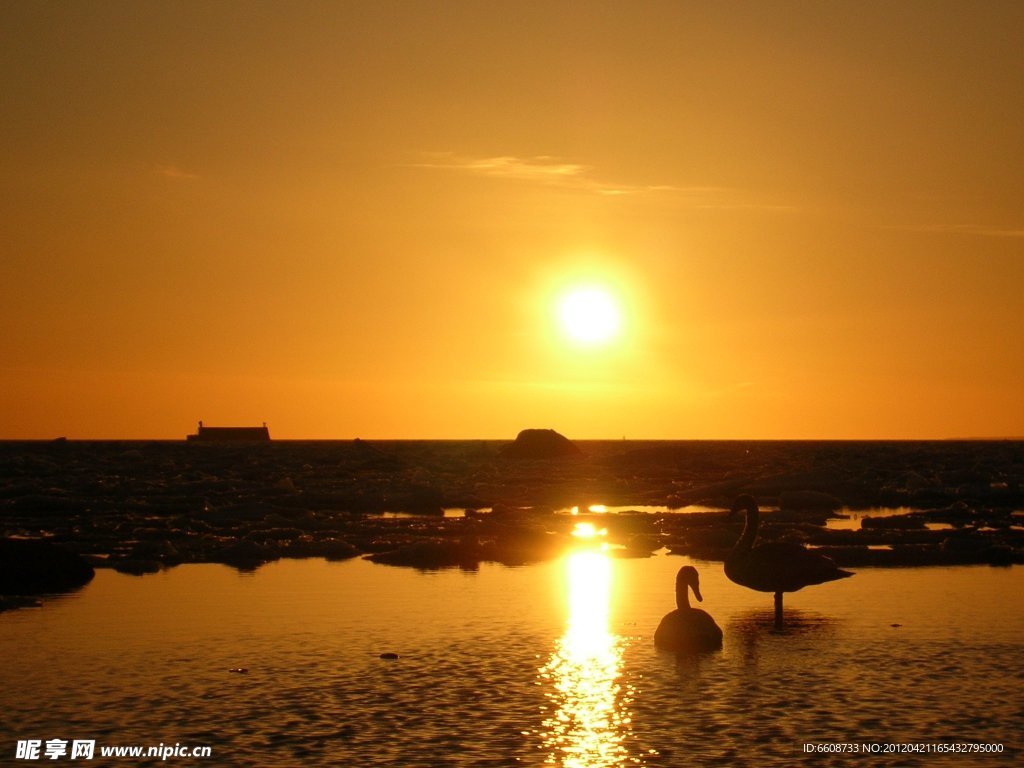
(974, 230)
(540, 168)
(174, 172)
(747, 206)
(556, 172)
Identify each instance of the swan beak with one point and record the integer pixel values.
(696, 593)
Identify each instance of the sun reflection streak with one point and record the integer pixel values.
(583, 676)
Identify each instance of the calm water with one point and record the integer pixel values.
(551, 664)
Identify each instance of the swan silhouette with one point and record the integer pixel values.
(686, 628)
(774, 566)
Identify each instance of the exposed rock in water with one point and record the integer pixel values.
(431, 555)
(540, 444)
(34, 566)
(246, 555)
(10, 603)
(808, 500)
(137, 567)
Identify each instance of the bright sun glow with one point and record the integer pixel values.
(590, 724)
(588, 531)
(589, 315)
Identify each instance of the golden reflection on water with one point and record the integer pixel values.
(590, 721)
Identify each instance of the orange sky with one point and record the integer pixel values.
(356, 218)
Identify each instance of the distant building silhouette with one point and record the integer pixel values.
(230, 434)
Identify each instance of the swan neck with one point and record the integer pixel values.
(682, 595)
(746, 540)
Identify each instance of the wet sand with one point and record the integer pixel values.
(140, 507)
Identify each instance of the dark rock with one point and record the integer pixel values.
(520, 546)
(540, 444)
(639, 545)
(328, 548)
(48, 505)
(135, 567)
(248, 512)
(431, 555)
(33, 566)
(337, 550)
(1000, 554)
(269, 535)
(371, 457)
(156, 549)
(421, 499)
(246, 555)
(808, 500)
(18, 601)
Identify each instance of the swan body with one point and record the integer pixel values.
(776, 566)
(686, 628)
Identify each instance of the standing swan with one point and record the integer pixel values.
(775, 566)
(686, 628)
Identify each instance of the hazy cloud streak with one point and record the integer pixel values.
(174, 172)
(554, 172)
(975, 230)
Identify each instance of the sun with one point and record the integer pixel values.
(589, 315)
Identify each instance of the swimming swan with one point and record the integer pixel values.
(686, 628)
(775, 566)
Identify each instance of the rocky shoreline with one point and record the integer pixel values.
(139, 507)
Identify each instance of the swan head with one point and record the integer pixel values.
(687, 577)
(743, 503)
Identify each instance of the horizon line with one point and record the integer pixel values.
(624, 439)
